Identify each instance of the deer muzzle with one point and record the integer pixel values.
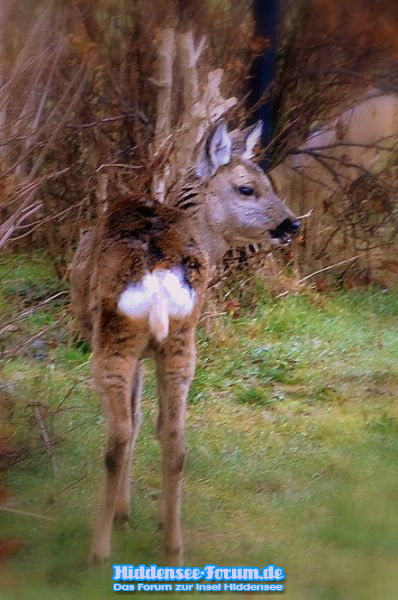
(285, 230)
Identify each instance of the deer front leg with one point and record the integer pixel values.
(175, 363)
(113, 376)
(123, 500)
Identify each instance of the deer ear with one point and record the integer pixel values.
(215, 152)
(250, 137)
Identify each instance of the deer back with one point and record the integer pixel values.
(134, 239)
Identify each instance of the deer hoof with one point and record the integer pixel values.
(174, 556)
(122, 520)
(99, 555)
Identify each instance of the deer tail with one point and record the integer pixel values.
(159, 317)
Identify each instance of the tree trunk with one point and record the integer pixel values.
(266, 17)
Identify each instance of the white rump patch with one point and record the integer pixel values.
(164, 286)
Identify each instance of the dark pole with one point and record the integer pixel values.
(262, 73)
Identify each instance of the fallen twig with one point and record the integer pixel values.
(48, 443)
(26, 313)
(26, 513)
(328, 268)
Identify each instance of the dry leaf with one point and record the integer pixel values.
(10, 547)
(4, 494)
(259, 44)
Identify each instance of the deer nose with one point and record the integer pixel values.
(281, 234)
(295, 226)
(289, 226)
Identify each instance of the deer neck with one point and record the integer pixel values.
(210, 231)
(206, 214)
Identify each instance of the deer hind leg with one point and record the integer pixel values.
(123, 499)
(175, 363)
(113, 378)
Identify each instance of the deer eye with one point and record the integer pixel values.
(246, 190)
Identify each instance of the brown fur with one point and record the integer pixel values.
(134, 238)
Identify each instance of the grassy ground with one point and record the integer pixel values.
(293, 436)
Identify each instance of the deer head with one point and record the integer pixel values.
(239, 204)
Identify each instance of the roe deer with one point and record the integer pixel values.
(139, 282)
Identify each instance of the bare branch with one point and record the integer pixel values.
(189, 56)
(47, 441)
(164, 106)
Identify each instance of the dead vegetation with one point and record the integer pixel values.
(101, 100)
(84, 114)
(334, 152)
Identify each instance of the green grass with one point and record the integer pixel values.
(293, 436)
